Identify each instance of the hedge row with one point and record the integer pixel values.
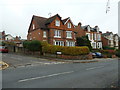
(33, 45)
(46, 48)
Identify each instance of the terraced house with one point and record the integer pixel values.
(94, 34)
(54, 30)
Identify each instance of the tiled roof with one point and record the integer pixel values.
(49, 20)
(43, 22)
(40, 21)
(64, 20)
(106, 34)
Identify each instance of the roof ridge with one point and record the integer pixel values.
(39, 16)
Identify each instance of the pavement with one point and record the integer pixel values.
(17, 60)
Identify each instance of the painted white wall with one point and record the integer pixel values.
(9, 37)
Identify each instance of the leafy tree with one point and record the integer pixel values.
(83, 41)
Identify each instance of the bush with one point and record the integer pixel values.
(65, 49)
(108, 48)
(83, 41)
(108, 51)
(33, 45)
(118, 53)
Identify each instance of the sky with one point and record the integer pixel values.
(16, 15)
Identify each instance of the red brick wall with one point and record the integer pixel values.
(50, 32)
(104, 41)
(80, 31)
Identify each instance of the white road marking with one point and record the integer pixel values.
(94, 68)
(45, 76)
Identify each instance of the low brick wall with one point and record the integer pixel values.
(80, 57)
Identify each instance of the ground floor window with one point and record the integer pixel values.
(94, 45)
(59, 43)
(70, 43)
(99, 45)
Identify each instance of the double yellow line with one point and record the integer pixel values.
(3, 65)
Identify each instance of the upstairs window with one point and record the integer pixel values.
(44, 34)
(33, 26)
(99, 37)
(69, 34)
(69, 25)
(57, 23)
(57, 33)
(88, 28)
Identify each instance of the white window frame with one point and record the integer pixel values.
(98, 36)
(94, 46)
(99, 45)
(97, 29)
(69, 25)
(88, 28)
(57, 23)
(30, 38)
(33, 26)
(44, 34)
(68, 34)
(57, 33)
(59, 43)
(70, 43)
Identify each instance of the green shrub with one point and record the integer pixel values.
(65, 49)
(108, 51)
(32, 45)
(108, 48)
(84, 41)
(118, 53)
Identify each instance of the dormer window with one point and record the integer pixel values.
(97, 28)
(88, 28)
(69, 25)
(57, 23)
(33, 26)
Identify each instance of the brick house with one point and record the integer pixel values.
(110, 39)
(2, 36)
(54, 30)
(94, 34)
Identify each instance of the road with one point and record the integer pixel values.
(62, 75)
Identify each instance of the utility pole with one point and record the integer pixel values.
(108, 6)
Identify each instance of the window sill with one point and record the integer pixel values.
(56, 37)
(69, 37)
(44, 37)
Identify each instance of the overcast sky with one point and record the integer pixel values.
(16, 15)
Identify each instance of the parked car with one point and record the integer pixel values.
(97, 55)
(3, 49)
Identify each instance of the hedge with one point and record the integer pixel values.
(33, 45)
(118, 53)
(52, 49)
(108, 48)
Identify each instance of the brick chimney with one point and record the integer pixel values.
(107, 31)
(3, 33)
(79, 24)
